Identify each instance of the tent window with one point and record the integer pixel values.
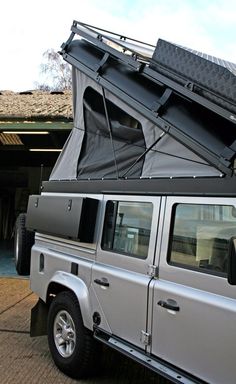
(109, 150)
(94, 100)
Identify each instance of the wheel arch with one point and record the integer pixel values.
(64, 281)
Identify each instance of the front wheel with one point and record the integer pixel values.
(72, 346)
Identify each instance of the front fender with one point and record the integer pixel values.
(79, 288)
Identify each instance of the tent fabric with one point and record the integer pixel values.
(171, 158)
(89, 151)
(99, 157)
(66, 165)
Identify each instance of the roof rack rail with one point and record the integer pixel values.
(137, 49)
(141, 57)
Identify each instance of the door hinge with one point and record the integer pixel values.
(145, 338)
(153, 270)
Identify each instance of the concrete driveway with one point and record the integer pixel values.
(27, 360)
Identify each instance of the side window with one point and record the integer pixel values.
(200, 236)
(127, 228)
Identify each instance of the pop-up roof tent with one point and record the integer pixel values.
(144, 112)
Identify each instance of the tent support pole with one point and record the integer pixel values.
(110, 132)
(143, 154)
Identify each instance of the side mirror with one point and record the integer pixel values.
(232, 261)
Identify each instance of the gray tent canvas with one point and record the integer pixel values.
(129, 124)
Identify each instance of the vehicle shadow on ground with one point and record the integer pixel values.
(123, 370)
(29, 358)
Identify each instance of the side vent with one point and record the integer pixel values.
(74, 269)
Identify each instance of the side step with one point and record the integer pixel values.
(155, 364)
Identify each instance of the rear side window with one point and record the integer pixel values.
(127, 228)
(200, 236)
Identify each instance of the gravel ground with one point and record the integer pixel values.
(27, 360)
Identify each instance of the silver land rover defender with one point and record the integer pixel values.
(135, 231)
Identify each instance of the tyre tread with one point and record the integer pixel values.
(85, 360)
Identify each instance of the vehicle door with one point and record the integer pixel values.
(121, 273)
(194, 307)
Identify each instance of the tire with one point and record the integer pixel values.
(72, 346)
(23, 242)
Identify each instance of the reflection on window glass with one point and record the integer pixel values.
(127, 228)
(201, 235)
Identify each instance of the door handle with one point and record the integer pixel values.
(169, 304)
(103, 282)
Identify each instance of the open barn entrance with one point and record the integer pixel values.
(28, 151)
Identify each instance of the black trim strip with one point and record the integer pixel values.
(215, 187)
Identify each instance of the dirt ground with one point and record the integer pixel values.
(27, 360)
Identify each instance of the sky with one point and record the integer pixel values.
(29, 28)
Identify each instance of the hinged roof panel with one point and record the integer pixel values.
(189, 98)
